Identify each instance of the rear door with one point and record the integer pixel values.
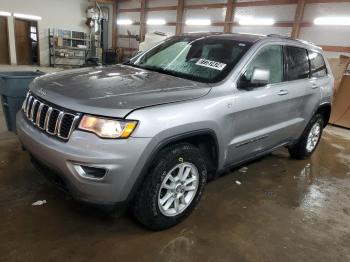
(319, 79)
(296, 81)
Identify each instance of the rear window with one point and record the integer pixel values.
(297, 63)
(317, 64)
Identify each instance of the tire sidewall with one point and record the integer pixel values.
(146, 208)
(174, 158)
(316, 119)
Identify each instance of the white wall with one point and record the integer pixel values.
(63, 14)
(320, 35)
(70, 14)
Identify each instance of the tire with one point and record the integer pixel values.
(155, 189)
(302, 150)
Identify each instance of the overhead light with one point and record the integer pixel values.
(249, 20)
(2, 13)
(156, 22)
(30, 17)
(332, 20)
(124, 22)
(198, 22)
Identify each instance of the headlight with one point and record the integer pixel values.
(106, 127)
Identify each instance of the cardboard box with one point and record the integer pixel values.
(59, 41)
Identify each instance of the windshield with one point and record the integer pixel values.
(206, 59)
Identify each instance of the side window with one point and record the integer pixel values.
(317, 64)
(297, 63)
(270, 59)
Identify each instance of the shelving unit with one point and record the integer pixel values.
(68, 48)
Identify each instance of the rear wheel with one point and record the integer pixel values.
(172, 189)
(309, 139)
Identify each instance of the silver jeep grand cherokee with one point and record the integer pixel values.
(151, 132)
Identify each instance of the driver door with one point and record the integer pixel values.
(261, 109)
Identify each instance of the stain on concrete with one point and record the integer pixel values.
(284, 210)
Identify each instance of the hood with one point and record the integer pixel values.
(115, 90)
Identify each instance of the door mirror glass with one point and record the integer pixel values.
(260, 76)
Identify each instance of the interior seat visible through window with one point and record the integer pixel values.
(297, 63)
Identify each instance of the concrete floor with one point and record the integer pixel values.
(284, 210)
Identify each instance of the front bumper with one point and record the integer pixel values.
(123, 159)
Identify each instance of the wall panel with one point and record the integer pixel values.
(265, 30)
(277, 12)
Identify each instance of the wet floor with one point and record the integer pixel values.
(283, 210)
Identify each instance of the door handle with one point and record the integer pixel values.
(283, 92)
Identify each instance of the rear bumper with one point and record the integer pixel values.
(123, 161)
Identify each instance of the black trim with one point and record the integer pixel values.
(324, 105)
(162, 145)
(254, 157)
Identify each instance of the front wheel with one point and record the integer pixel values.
(172, 189)
(309, 140)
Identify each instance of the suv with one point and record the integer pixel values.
(149, 133)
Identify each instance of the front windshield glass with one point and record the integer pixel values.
(206, 59)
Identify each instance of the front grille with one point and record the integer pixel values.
(52, 120)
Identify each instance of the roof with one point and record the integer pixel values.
(250, 37)
(233, 36)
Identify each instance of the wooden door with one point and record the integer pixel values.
(23, 42)
(4, 44)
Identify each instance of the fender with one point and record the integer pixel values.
(162, 144)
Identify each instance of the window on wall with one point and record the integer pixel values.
(297, 63)
(33, 34)
(269, 58)
(317, 64)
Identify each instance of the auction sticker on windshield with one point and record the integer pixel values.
(211, 64)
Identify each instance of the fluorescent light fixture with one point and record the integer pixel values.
(332, 20)
(249, 20)
(2, 13)
(198, 22)
(124, 22)
(156, 22)
(30, 17)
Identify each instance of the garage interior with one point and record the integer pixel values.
(272, 209)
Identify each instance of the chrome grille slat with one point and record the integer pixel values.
(24, 106)
(47, 119)
(59, 122)
(38, 115)
(52, 120)
(32, 109)
(30, 101)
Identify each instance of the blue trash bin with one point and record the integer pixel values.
(14, 86)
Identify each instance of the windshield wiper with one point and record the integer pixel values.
(154, 69)
(159, 70)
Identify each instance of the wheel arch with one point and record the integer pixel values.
(325, 111)
(206, 141)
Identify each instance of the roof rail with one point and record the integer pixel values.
(280, 36)
(291, 38)
(305, 41)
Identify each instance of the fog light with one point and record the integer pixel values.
(90, 172)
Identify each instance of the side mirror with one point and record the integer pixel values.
(260, 77)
